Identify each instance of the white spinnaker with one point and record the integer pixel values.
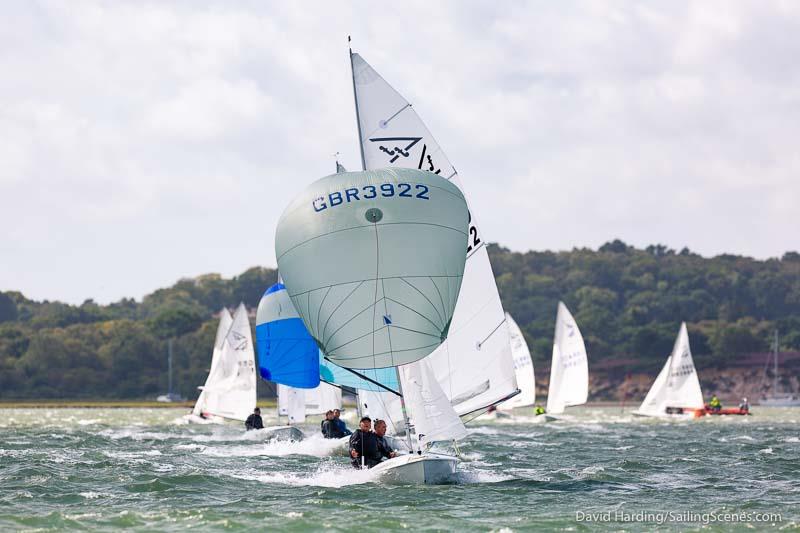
(654, 404)
(474, 365)
(429, 409)
(384, 406)
(292, 404)
(225, 321)
(320, 400)
(523, 367)
(234, 395)
(683, 385)
(569, 369)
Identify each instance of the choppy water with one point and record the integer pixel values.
(112, 468)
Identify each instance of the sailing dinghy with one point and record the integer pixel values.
(569, 368)
(230, 389)
(676, 391)
(200, 414)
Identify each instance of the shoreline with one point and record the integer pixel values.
(107, 404)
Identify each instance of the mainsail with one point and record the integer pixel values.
(569, 369)
(474, 365)
(523, 367)
(677, 385)
(233, 392)
(225, 321)
(384, 406)
(373, 263)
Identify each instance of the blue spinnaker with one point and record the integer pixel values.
(287, 354)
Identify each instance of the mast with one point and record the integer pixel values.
(775, 374)
(355, 99)
(169, 368)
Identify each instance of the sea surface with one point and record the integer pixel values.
(105, 469)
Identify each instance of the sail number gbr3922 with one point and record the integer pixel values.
(369, 192)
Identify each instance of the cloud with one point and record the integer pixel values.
(143, 142)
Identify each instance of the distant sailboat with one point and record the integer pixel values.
(230, 389)
(777, 399)
(676, 391)
(297, 404)
(200, 412)
(523, 367)
(569, 369)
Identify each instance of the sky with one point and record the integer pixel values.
(142, 142)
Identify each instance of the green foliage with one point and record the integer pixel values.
(628, 302)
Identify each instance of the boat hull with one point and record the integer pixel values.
(429, 469)
(780, 402)
(289, 433)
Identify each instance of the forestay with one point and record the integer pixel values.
(373, 263)
(523, 367)
(429, 409)
(368, 379)
(286, 352)
(233, 393)
(225, 321)
(569, 369)
(474, 365)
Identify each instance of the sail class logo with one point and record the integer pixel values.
(397, 147)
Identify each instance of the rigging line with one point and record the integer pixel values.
(423, 295)
(319, 310)
(493, 331)
(325, 327)
(441, 300)
(486, 408)
(368, 379)
(436, 326)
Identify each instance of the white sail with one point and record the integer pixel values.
(654, 404)
(429, 409)
(320, 400)
(225, 321)
(474, 365)
(523, 367)
(677, 385)
(384, 406)
(233, 393)
(569, 369)
(683, 385)
(292, 404)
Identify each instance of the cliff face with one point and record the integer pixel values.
(749, 377)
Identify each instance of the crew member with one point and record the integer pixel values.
(744, 406)
(325, 425)
(342, 427)
(715, 404)
(539, 410)
(364, 445)
(254, 421)
(383, 445)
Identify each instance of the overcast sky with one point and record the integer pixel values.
(144, 142)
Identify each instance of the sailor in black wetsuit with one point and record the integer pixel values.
(364, 445)
(254, 421)
(383, 446)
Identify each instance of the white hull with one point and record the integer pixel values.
(195, 419)
(683, 416)
(289, 433)
(547, 418)
(428, 468)
(780, 402)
